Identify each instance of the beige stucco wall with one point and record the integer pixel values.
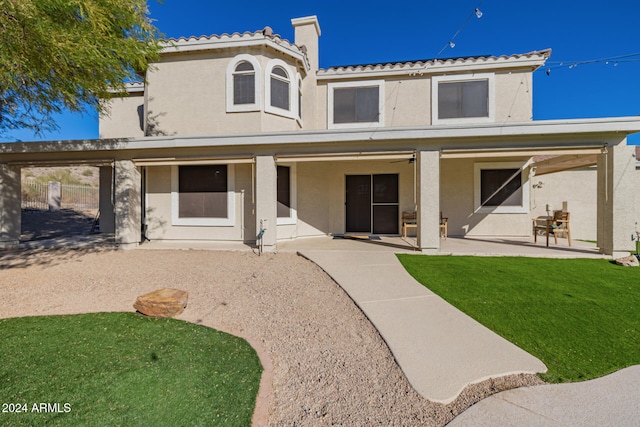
(514, 96)
(321, 192)
(408, 98)
(320, 201)
(578, 189)
(124, 118)
(407, 102)
(158, 211)
(457, 203)
(186, 95)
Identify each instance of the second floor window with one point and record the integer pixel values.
(280, 84)
(244, 84)
(355, 105)
(463, 99)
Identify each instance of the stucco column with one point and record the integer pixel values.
(10, 205)
(428, 200)
(127, 204)
(107, 215)
(266, 200)
(617, 186)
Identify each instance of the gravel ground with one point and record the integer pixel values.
(324, 362)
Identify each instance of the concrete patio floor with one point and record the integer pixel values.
(474, 246)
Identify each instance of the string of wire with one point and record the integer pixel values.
(632, 57)
(476, 12)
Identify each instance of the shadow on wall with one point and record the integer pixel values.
(151, 124)
(155, 226)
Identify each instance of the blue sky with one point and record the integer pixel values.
(355, 32)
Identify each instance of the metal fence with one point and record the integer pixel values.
(35, 195)
(79, 197)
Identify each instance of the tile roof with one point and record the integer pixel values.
(266, 34)
(535, 58)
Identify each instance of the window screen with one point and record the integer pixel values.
(356, 105)
(202, 191)
(244, 84)
(463, 99)
(279, 89)
(501, 187)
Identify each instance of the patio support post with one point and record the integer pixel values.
(127, 204)
(10, 206)
(428, 201)
(266, 198)
(107, 215)
(617, 185)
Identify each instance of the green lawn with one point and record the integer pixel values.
(580, 317)
(124, 369)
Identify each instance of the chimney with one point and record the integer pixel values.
(307, 31)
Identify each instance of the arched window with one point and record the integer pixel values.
(280, 87)
(280, 92)
(244, 82)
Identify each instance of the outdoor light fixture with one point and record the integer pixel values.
(478, 13)
(451, 44)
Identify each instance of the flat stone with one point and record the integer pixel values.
(166, 302)
(628, 261)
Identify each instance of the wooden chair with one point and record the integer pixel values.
(444, 226)
(561, 226)
(556, 225)
(409, 220)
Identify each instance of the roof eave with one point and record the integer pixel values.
(597, 131)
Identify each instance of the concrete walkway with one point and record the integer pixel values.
(613, 400)
(440, 349)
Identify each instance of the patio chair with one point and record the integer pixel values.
(556, 225)
(409, 220)
(444, 226)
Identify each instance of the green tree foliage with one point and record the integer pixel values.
(69, 54)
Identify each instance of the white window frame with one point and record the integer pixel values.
(292, 112)
(299, 96)
(524, 208)
(293, 197)
(491, 107)
(229, 221)
(368, 83)
(231, 68)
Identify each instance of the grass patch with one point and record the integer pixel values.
(125, 369)
(581, 317)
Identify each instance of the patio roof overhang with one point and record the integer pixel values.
(552, 137)
(566, 162)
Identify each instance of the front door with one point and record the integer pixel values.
(372, 204)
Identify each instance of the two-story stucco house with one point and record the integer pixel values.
(243, 137)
